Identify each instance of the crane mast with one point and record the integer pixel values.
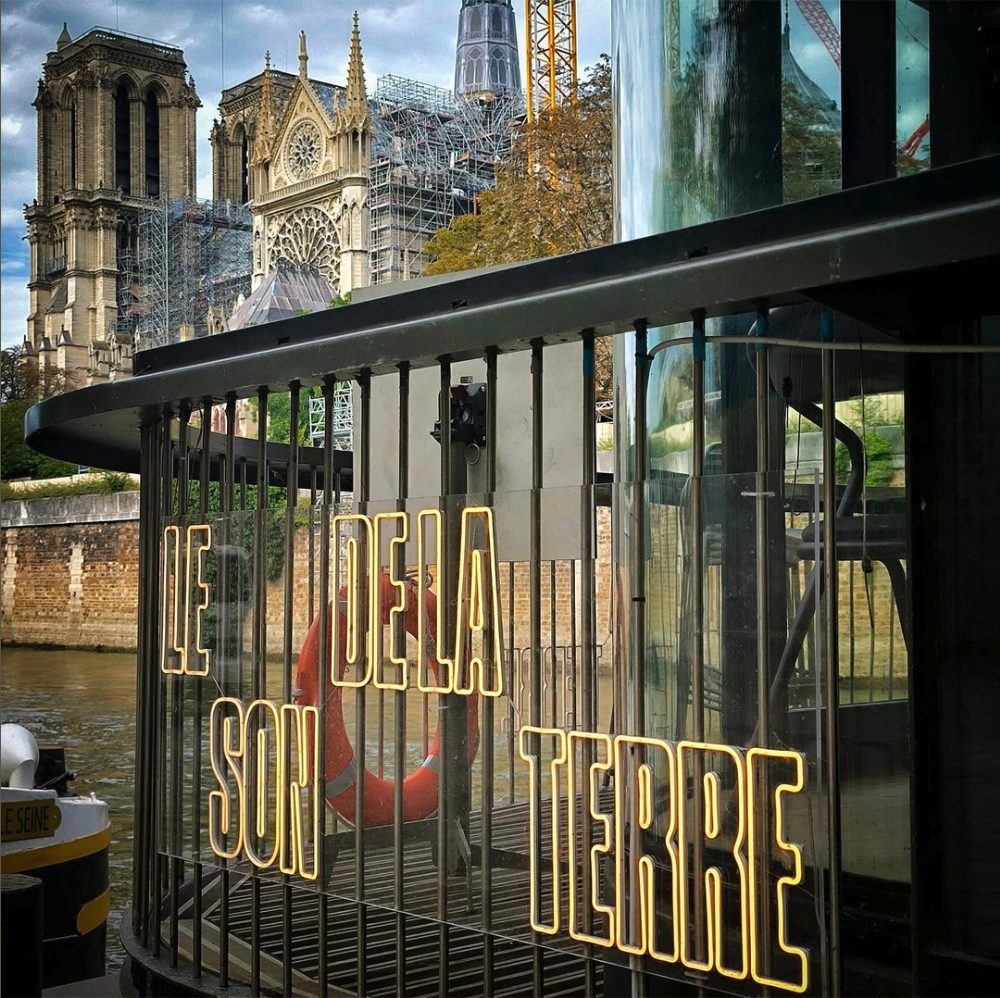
(550, 37)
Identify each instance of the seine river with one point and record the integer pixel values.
(84, 701)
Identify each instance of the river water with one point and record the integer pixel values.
(84, 701)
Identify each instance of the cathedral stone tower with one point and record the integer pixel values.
(486, 60)
(116, 123)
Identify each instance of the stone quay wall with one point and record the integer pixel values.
(70, 575)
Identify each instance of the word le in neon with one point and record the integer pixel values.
(630, 923)
(472, 661)
(249, 748)
(183, 654)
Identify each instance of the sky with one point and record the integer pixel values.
(224, 43)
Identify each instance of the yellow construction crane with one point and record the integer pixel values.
(550, 36)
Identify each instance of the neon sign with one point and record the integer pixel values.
(267, 800)
(630, 921)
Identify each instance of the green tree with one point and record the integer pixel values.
(553, 195)
(21, 386)
(810, 151)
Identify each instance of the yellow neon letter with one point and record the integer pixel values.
(426, 682)
(711, 828)
(196, 562)
(534, 783)
(397, 656)
(171, 632)
(258, 765)
(478, 598)
(642, 890)
(300, 724)
(225, 749)
(359, 595)
(592, 852)
(780, 790)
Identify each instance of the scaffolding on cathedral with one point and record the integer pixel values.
(194, 263)
(433, 154)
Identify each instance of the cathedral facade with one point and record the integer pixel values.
(299, 151)
(116, 124)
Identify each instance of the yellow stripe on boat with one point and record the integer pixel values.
(57, 852)
(93, 913)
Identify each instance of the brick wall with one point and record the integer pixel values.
(69, 575)
(70, 572)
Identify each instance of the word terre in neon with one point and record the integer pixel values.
(630, 922)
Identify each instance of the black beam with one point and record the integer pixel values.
(868, 91)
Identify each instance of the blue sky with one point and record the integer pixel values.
(224, 42)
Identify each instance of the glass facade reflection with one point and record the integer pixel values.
(722, 109)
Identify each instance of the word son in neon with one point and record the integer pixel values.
(260, 808)
(468, 661)
(677, 794)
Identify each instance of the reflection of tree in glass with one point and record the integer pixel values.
(810, 151)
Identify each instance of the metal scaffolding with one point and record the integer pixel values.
(343, 418)
(432, 156)
(195, 260)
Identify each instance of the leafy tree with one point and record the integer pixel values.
(553, 195)
(810, 151)
(21, 386)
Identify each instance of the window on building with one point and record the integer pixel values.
(497, 25)
(151, 109)
(72, 144)
(123, 136)
(244, 169)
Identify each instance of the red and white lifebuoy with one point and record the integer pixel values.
(420, 788)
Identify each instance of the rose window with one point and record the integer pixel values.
(303, 151)
(308, 237)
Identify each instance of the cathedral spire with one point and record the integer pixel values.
(303, 57)
(266, 116)
(356, 99)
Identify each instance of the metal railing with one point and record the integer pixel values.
(441, 902)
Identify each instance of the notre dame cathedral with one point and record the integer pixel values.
(116, 130)
(116, 124)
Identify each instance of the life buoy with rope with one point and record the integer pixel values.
(420, 788)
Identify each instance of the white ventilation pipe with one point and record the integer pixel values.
(18, 757)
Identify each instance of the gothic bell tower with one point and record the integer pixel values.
(486, 56)
(116, 123)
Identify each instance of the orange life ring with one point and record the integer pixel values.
(420, 788)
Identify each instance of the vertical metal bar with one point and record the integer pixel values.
(146, 672)
(588, 435)
(399, 775)
(177, 692)
(443, 595)
(763, 618)
(196, 900)
(488, 735)
(697, 584)
(535, 619)
(851, 651)
(364, 495)
(513, 668)
(159, 724)
(258, 679)
(329, 390)
(832, 651)
(638, 608)
(291, 497)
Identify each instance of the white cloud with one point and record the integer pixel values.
(10, 125)
(14, 267)
(14, 302)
